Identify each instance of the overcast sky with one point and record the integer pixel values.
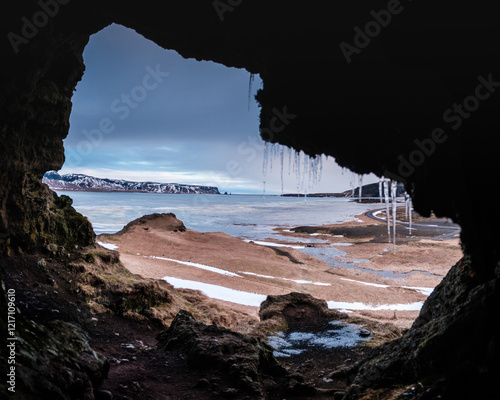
(147, 114)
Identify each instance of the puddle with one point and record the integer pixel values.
(332, 257)
(335, 334)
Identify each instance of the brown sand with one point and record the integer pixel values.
(283, 266)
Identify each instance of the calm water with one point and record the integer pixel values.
(245, 216)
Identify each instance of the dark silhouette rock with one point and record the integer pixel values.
(242, 361)
(297, 310)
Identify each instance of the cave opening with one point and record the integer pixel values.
(142, 114)
(145, 114)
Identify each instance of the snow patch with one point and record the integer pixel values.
(109, 246)
(424, 290)
(362, 306)
(218, 292)
(365, 283)
(301, 281)
(197, 265)
(274, 244)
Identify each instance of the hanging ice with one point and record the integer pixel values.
(406, 205)
(352, 184)
(394, 187)
(298, 172)
(360, 185)
(308, 170)
(387, 215)
(282, 157)
(252, 76)
(380, 190)
(264, 167)
(410, 216)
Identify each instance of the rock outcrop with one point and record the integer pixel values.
(436, 358)
(297, 310)
(242, 366)
(166, 222)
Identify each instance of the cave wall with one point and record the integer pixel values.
(373, 102)
(416, 101)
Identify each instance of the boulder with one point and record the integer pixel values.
(242, 362)
(297, 310)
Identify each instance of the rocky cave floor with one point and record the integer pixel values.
(45, 291)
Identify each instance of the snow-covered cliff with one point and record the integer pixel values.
(82, 182)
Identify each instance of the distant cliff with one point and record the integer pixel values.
(80, 182)
(369, 190)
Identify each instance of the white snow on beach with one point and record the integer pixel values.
(343, 305)
(197, 265)
(218, 292)
(365, 283)
(272, 244)
(301, 281)
(424, 290)
(109, 246)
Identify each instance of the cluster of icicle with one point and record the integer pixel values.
(307, 169)
(388, 193)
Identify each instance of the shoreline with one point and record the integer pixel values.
(351, 281)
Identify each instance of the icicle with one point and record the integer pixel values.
(380, 183)
(387, 215)
(282, 156)
(352, 185)
(252, 76)
(264, 167)
(271, 150)
(295, 162)
(307, 172)
(394, 206)
(304, 174)
(410, 205)
(406, 206)
(312, 172)
(320, 168)
(297, 158)
(360, 185)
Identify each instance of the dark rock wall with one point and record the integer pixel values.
(37, 84)
(417, 101)
(374, 107)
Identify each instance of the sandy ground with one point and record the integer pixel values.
(371, 277)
